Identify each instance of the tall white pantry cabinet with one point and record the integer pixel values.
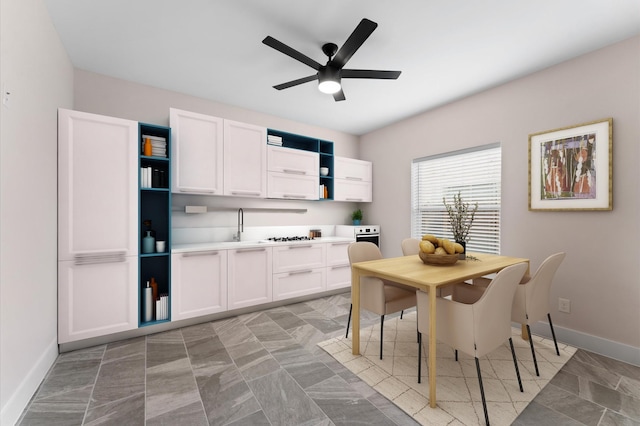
(97, 225)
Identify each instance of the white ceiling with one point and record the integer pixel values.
(446, 49)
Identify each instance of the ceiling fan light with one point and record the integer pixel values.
(329, 86)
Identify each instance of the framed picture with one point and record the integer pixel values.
(571, 168)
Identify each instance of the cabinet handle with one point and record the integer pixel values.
(298, 246)
(353, 178)
(341, 244)
(245, 193)
(294, 172)
(340, 267)
(94, 258)
(306, 271)
(206, 191)
(200, 253)
(294, 196)
(250, 249)
(354, 199)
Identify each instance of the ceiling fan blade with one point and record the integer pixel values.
(296, 82)
(339, 96)
(387, 75)
(353, 43)
(280, 46)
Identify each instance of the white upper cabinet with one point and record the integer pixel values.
(353, 180)
(293, 173)
(245, 160)
(97, 185)
(196, 153)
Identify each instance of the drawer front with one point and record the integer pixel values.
(292, 161)
(298, 257)
(338, 277)
(337, 253)
(292, 186)
(293, 284)
(352, 169)
(347, 190)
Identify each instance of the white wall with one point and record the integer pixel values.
(36, 70)
(601, 273)
(100, 94)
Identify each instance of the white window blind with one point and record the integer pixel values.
(474, 173)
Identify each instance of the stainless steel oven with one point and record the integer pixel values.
(370, 233)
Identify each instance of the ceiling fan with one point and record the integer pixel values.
(330, 74)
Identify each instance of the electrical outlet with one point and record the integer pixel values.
(564, 305)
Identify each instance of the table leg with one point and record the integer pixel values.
(432, 347)
(525, 333)
(355, 312)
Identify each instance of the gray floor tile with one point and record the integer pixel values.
(284, 402)
(189, 415)
(127, 411)
(265, 368)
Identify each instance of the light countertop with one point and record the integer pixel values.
(231, 245)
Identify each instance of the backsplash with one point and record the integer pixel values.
(193, 235)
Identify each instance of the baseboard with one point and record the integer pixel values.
(16, 404)
(599, 345)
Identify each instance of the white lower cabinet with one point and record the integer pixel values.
(298, 270)
(338, 268)
(200, 283)
(250, 279)
(338, 277)
(96, 298)
(298, 283)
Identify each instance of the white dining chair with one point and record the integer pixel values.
(477, 328)
(531, 302)
(381, 297)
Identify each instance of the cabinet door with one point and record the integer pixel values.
(298, 257)
(338, 277)
(299, 283)
(293, 161)
(249, 277)
(199, 283)
(351, 190)
(96, 298)
(245, 160)
(337, 253)
(196, 153)
(292, 187)
(352, 169)
(97, 185)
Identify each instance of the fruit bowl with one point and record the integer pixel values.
(438, 259)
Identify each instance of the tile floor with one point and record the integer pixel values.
(265, 368)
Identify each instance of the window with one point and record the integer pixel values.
(474, 173)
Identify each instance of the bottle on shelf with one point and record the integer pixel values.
(148, 303)
(147, 147)
(148, 243)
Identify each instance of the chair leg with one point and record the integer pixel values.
(401, 312)
(533, 352)
(381, 333)
(515, 362)
(456, 355)
(484, 401)
(555, 342)
(419, 356)
(348, 321)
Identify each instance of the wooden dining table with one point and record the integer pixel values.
(411, 271)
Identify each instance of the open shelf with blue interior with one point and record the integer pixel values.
(155, 216)
(322, 147)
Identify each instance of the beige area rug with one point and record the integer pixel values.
(458, 393)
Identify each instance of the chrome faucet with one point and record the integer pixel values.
(238, 235)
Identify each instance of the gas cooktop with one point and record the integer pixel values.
(287, 239)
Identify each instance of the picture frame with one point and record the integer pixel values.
(571, 168)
